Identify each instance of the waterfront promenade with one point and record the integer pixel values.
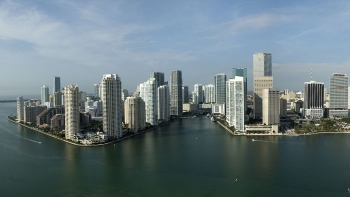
(84, 145)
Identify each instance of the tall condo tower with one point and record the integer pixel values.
(72, 113)
(242, 72)
(313, 99)
(159, 78)
(56, 84)
(262, 73)
(271, 106)
(220, 88)
(235, 103)
(111, 105)
(125, 94)
(209, 93)
(338, 96)
(163, 102)
(97, 90)
(44, 94)
(148, 92)
(176, 93)
(20, 108)
(185, 94)
(135, 113)
(198, 89)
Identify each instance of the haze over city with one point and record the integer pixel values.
(81, 41)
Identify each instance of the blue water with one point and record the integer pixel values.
(190, 157)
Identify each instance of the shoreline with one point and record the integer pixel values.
(282, 134)
(85, 145)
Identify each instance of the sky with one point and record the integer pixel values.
(82, 40)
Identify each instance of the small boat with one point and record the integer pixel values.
(212, 119)
(253, 140)
(349, 190)
(208, 115)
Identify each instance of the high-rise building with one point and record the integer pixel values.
(135, 113)
(209, 93)
(235, 103)
(313, 99)
(31, 112)
(176, 93)
(338, 87)
(72, 113)
(185, 94)
(111, 105)
(220, 88)
(20, 108)
(271, 106)
(242, 72)
(198, 89)
(163, 102)
(194, 97)
(159, 78)
(262, 73)
(283, 107)
(149, 94)
(56, 84)
(44, 94)
(57, 99)
(349, 97)
(97, 90)
(125, 93)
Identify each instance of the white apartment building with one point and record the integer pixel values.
(20, 108)
(111, 105)
(149, 94)
(235, 103)
(198, 89)
(209, 93)
(72, 113)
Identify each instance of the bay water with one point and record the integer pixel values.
(189, 157)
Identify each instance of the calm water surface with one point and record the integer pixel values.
(190, 157)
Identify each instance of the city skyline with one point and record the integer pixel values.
(95, 38)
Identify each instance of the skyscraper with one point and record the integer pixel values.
(198, 89)
(125, 94)
(242, 72)
(209, 93)
(72, 113)
(111, 105)
(135, 113)
(220, 88)
(163, 102)
(44, 94)
(338, 87)
(97, 90)
(20, 108)
(56, 84)
(235, 103)
(313, 99)
(159, 78)
(262, 73)
(148, 92)
(176, 93)
(271, 104)
(185, 94)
